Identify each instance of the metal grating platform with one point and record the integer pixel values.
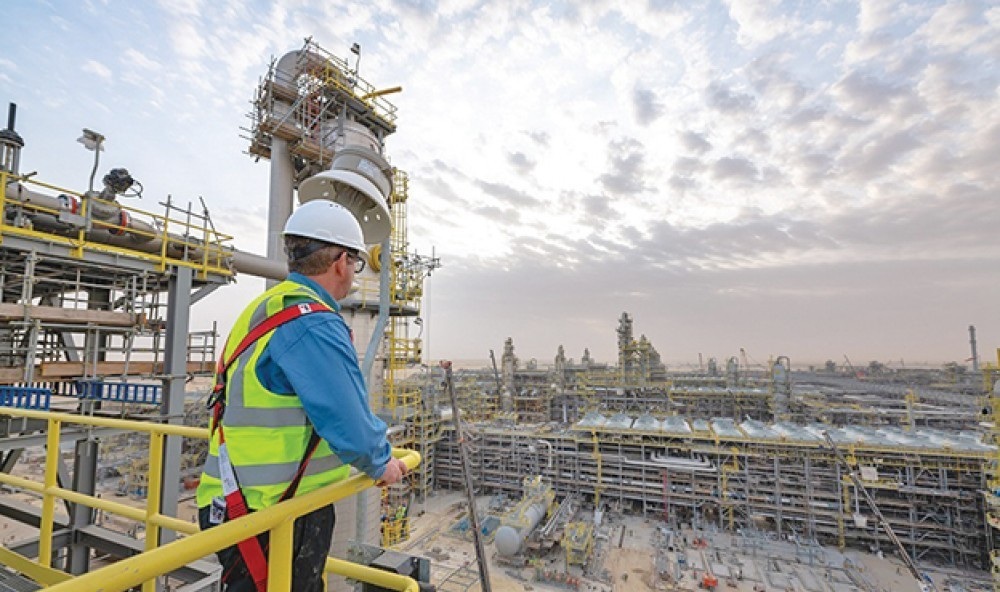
(14, 583)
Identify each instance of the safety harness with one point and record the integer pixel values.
(251, 552)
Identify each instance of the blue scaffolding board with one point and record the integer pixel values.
(25, 397)
(120, 392)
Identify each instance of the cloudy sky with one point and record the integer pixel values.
(812, 179)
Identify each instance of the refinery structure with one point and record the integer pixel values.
(97, 362)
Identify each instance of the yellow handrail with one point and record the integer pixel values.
(156, 561)
(215, 252)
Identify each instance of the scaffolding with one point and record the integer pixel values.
(578, 542)
(74, 310)
(991, 494)
(308, 109)
(402, 400)
(753, 475)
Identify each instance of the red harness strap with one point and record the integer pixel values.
(250, 549)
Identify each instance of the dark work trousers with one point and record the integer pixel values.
(310, 547)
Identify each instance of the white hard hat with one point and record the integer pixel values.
(329, 222)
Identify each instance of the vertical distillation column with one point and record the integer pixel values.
(313, 105)
(280, 193)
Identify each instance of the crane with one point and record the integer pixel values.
(925, 583)
(850, 366)
(456, 417)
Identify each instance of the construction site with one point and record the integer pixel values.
(584, 475)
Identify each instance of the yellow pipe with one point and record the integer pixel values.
(131, 572)
(383, 92)
(48, 500)
(370, 575)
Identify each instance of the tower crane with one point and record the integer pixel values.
(850, 366)
(925, 583)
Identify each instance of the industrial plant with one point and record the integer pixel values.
(525, 475)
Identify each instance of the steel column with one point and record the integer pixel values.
(175, 370)
(84, 481)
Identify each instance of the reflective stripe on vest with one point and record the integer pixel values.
(256, 475)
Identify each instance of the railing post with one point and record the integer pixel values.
(279, 563)
(153, 495)
(48, 500)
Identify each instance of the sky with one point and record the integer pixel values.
(816, 179)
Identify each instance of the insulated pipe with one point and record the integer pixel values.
(102, 210)
(143, 236)
(60, 215)
(258, 266)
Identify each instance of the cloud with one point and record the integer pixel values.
(724, 99)
(874, 14)
(687, 166)
(134, 57)
(874, 158)
(540, 138)
(507, 194)
(508, 216)
(646, 106)
(98, 69)
(735, 167)
(753, 139)
(695, 142)
(826, 157)
(520, 163)
(598, 208)
(803, 117)
(756, 24)
(626, 159)
(866, 92)
(185, 8)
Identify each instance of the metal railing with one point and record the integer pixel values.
(155, 561)
(204, 249)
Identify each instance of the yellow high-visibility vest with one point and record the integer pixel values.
(266, 433)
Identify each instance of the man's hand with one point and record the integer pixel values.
(394, 471)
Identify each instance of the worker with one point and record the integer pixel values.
(292, 408)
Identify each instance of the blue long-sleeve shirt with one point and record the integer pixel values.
(313, 357)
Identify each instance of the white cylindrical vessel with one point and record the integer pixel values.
(510, 538)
